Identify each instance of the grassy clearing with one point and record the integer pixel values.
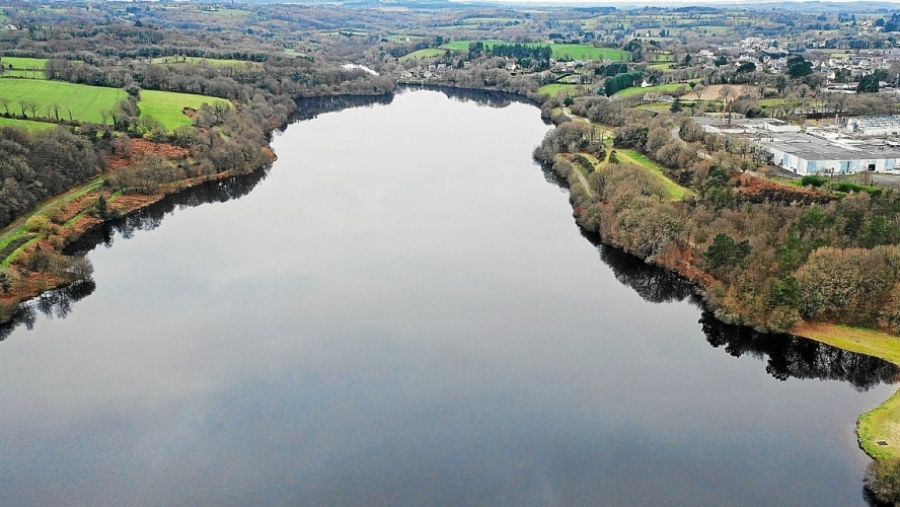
(423, 53)
(168, 107)
(661, 66)
(588, 52)
(552, 89)
(656, 107)
(676, 191)
(670, 88)
(791, 182)
(24, 63)
(213, 62)
(883, 422)
(31, 126)
(227, 13)
(85, 102)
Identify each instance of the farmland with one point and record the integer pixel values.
(15, 62)
(560, 51)
(87, 103)
(423, 53)
(167, 107)
(664, 88)
(83, 102)
(31, 126)
(552, 89)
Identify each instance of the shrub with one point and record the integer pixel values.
(814, 181)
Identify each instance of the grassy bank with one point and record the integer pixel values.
(882, 423)
(676, 191)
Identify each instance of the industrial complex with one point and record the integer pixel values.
(867, 144)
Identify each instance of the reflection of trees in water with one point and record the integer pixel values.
(57, 302)
(151, 217)
(795, 357)
(487, 98)
(650, 282)
(788, 356)
(307, 109)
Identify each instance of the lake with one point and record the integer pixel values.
(401, 311)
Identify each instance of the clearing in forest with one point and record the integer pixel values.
(676, 191)
(168, 107)
(423, 53)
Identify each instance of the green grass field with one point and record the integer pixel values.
(676, 191)
(587, 52)
(665, 88)
(31, 126)
(423, 53)
(463, 45)
(85, 102)
(880, 423)
(560, 51)
(167, 107)
(23, 74)
(552, 89)
(660, 66)
(656, 107)
(23, 63)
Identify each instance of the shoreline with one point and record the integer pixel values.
(878, 430)
(874, 426)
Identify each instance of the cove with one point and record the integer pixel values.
(401, 311)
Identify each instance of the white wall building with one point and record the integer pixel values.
(805, 154)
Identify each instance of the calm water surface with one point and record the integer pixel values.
(403, 313)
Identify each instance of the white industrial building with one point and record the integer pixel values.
(866, 144)
(809, 153)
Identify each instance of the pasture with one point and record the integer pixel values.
(19, 63)
(423, 53)
(167, 107)
(669, 88)
(588, 52)
(551, 90)
(560, 51)
(31, 126)
(83, 102)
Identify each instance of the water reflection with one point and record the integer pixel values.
(788, 356)
(795, 357)
(57, 302)
(654, 284)
(151, 217)
(310, 108)
(488, 98)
